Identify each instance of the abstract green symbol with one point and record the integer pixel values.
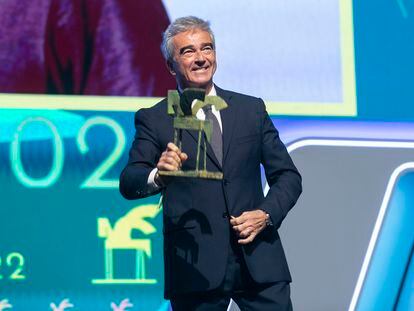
(118, 237)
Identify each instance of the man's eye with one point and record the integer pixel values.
(187, 52)
(208, 50)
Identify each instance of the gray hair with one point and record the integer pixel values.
(182, 24)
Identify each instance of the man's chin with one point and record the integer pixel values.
(201, 85)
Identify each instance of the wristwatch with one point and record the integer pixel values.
(269, 221)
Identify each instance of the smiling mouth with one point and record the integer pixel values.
(200, 68)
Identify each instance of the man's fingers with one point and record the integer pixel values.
(171, 160)
(239, 220)
(236, 220)
(243, 219)
(172, 147)
(248, 225)
(253, 217)
(174, 152)
(246, 232)
(174, 155)
(242, 227)
(247, 240)
(163, 166)
(183, 156)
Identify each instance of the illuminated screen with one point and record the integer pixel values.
(300, 53)
(300, 57)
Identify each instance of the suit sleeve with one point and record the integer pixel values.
(143, 158)
(282, 176)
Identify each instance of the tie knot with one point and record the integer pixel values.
(207, 109)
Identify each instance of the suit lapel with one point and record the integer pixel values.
(228, 120)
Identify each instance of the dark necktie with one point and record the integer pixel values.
(216, 139)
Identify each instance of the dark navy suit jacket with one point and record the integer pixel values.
(196, 229)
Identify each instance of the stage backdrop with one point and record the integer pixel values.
(335, 76)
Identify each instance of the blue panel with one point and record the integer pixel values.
(406, 298)
(393, 250)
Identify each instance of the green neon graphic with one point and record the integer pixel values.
(58, 159)
(17, 257)
(17, 260)
(96, 180)
(119, 237)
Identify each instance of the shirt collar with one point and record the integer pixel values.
(212, 91)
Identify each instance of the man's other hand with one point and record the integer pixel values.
(249, 224)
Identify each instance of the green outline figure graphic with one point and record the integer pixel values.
(118, 237)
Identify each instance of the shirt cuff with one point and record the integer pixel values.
(152, 185)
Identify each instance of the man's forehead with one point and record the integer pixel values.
(193, 36)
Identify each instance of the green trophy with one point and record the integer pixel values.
(184, 113)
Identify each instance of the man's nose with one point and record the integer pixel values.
(199, 57)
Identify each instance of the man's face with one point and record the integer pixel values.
(194, 59)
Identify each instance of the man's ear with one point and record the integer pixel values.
(170, 67)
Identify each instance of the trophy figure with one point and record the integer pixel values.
(184, 112)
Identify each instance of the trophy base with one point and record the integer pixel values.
(196, 174)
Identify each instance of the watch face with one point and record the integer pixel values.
(269, 221)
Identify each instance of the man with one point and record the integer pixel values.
(220, 236)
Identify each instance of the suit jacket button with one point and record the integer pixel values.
(225, 215)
